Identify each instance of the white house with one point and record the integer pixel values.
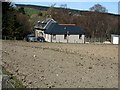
(54, 32)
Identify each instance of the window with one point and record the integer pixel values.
(54, 37)
(65, 36)
(40, 34)
(80, 36)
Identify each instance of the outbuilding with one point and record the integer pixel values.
(115, 39)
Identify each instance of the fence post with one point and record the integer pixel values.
(14, 38)
(5, 37)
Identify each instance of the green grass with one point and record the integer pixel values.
(14, 81)
(30, 11)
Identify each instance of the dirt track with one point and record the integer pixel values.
(53, 65)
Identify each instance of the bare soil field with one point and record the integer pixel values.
(57, 65)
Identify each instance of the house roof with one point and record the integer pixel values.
(50, 26)
(44, 24)
(39, 25)
(50, 21)
(55, 28)
(68, 24)
(46, 20)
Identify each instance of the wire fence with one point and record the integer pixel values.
(11, 38)
(87, 40)
(93, 40)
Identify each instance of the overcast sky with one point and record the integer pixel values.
(111, 6)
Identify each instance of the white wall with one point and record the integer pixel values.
(48, 37)
(75, 39)
(115, 39)
(38, 33)
(60, 38)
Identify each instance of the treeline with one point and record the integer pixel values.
(95, 24)
(15, 23)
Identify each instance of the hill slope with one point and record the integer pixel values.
(45, 8)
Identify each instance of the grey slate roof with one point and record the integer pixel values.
(44, 24)
(50, 26)
(39, 25)
(55, 28)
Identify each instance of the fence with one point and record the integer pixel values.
(11, 38)
(93, 40)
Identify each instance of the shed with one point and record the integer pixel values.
(115, 39)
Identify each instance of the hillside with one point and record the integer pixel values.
(45, 8)
(32, 6)
(31, 11)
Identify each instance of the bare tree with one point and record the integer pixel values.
(98, 8)
(63, 6)
(53, 5)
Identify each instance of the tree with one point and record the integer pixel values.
(7, 18)
(21, 10)
(62, 15)
(14, 22)
(53, 5)
(22, 25)
(63, 6)
(40, 14)
(98, 8)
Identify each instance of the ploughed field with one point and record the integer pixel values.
(58, 65)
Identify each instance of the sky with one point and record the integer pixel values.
(111, 6)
